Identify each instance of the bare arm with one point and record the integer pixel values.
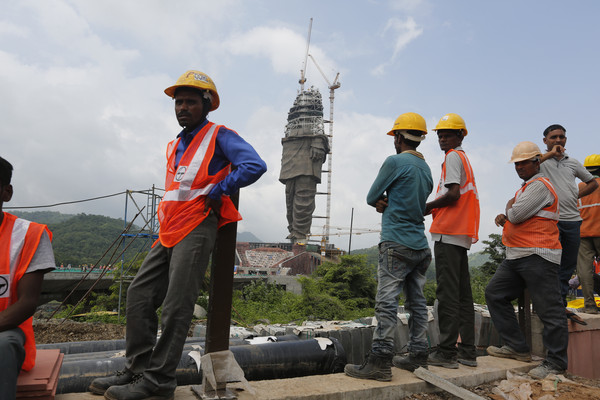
(28, 292)
(587, 188)
(447, 199)
(557, 151)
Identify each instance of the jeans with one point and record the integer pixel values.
(456, 314)
(13, 355)
(170, 277)
(540, 277)
(400, 269)
(569, 240)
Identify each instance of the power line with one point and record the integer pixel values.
(69, 202)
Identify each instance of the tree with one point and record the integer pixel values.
(351, 279)
(497, 252)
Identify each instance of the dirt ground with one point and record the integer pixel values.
(56, 331)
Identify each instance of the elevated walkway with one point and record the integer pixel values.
(340, 386)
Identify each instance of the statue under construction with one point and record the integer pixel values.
(305, 148)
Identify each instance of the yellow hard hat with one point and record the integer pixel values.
(410, 121)
(525, 151)
(452, 121)
(196, 80)
(593, 160)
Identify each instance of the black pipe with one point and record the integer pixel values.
(189, 346)
(277, 360)
(119, 344)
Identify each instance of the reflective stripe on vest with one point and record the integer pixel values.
(19, 240)
(461, 217)
(539, 231)
(183, 206)
(589, 209)
(185, 175)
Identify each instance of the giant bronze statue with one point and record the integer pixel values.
(305, 148)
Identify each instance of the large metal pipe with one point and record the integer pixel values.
(119, 344)
(277, 360)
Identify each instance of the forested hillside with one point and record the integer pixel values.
(83, 238)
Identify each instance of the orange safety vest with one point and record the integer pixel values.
(462, 217)
(539, 231)
(182, 207)
(19, 240)
(589, 208)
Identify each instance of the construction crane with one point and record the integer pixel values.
(332, 86)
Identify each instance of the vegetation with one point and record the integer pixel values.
(343, 290)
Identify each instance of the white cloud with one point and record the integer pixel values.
(404, 32)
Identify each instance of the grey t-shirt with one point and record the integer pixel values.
(43, 259)
(562, 174)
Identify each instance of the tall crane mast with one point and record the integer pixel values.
(332, 86)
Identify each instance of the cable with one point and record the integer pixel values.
(69, 202)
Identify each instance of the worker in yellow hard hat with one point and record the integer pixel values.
(563, 171)
(400, 192)
(533, 250)
(589, 248)
(199, 180)
(454, 229)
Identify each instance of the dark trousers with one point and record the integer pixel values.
(455, 300)
(569, 240)
(12, 355)
(540, 277)
(170, 277)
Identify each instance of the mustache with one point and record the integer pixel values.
(184, 114)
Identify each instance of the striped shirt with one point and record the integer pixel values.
(529, 202)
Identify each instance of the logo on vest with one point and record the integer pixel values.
(180, 173)
(4, 286)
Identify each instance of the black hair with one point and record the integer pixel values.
(6, 170)
(554, 127)
(411, 143)
(595, 170)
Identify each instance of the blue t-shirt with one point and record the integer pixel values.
(406, 181)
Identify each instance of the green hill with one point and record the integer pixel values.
(84, 239)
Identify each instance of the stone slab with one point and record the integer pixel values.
(340, 386)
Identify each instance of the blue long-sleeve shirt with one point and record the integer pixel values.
(246, 164)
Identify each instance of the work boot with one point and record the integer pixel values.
(591, 310)
(375, 366)
(99, 385)
(507, 352)
(139, 389)
(440, 360)
(544, 369)
(411, 361)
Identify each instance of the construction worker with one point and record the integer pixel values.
(562, 171)
(205, 164)
(25, 256)
(589, 209)
(455, 227)
(533, 253)
(400, 192)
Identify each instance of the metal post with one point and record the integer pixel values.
(221, 287)
(350, 239)
(122, 261)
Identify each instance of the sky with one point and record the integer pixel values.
(84, 114)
